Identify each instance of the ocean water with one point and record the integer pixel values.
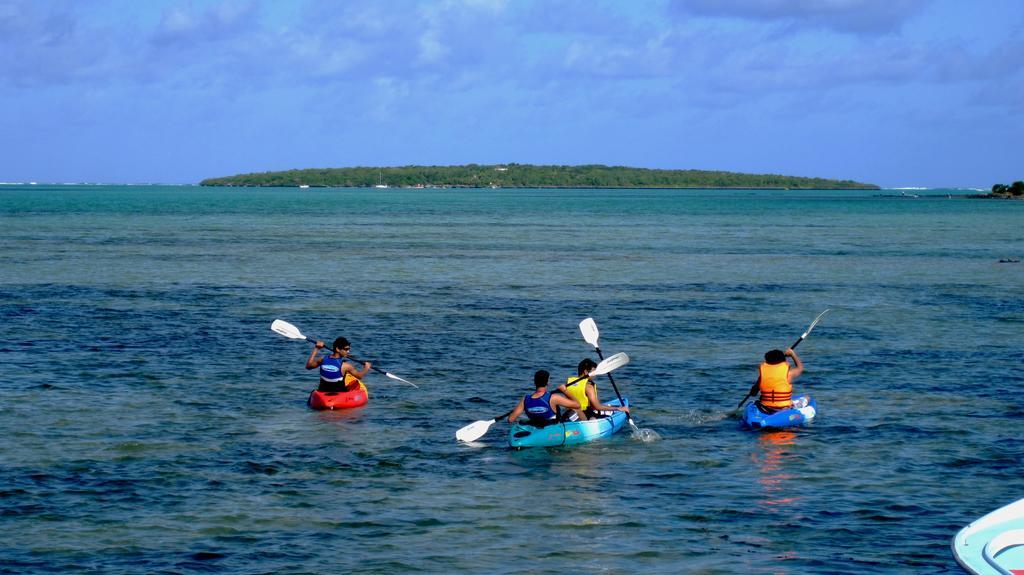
(152, 423)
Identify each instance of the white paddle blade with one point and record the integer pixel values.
(396, 378)
(474, 430)
(589, 330)
(610, 363)
(286, 329)
(815, 322)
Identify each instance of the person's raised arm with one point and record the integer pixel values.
(798, 366)
(315, 360)
(362, 373)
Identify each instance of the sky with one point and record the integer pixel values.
(891, 92)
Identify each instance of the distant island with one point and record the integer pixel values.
(1014, 190)
(527, 176)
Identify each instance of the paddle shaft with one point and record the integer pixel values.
(373, 367)
(615, 387)
(582, 377)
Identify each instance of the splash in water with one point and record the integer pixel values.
(647, 435)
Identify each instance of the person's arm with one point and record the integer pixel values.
(358, 374)
(596, 404)
(564, 401)
(315, 360)
(798, 366)
(512, 417)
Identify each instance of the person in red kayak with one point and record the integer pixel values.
(542, 407)
(775, 380)
(333, 367)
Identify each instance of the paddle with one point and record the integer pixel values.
(290, 331)
(796, 343)
(589, 330)
(477, 429)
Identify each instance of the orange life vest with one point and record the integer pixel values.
(776, 390)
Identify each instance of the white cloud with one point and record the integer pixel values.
(855, 16)
(185, 23)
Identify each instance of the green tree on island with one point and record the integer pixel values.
(1015, 189)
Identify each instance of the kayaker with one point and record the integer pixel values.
(775, 380)
(584, 391)
(542, 407)
(333, 367)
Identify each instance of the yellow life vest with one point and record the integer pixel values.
(353, 383)
(776, 390)
(578, 391)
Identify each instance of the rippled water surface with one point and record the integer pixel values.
(153, 423)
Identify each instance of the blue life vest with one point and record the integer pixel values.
(539, 409)
(330, 369)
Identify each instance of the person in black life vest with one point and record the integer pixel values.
(541, 406)
(775, 380)
(333, 367)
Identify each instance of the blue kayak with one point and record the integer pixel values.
(993, 544)
(568, 433)
(803, 410)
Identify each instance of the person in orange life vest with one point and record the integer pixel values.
(542, 407)
(584, 391)
(333, 369)
(775, 380)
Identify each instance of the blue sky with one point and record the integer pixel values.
(892, 92)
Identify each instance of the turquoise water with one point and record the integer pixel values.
(152, 422)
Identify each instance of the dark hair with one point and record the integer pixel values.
(341, 343)
(540, 379)
(775, 356)
(585, 365)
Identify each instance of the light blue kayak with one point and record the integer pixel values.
(568, 433)
(804, 409)
(993, 544)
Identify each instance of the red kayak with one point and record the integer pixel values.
(355, 394)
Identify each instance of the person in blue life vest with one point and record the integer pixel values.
(775, 380)
(583, 390)
(333, 367)
(542, 407)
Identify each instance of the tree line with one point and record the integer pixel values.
(527, 176)
(1015, 189)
